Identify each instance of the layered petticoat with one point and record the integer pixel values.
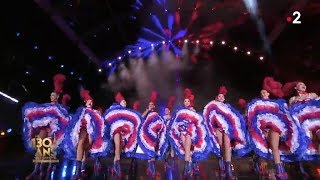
(126, 122)
(93, 123)
(308, 115)
(223, 117)
(187, 122)
(53, 117)
(152, 137)
(265, 115)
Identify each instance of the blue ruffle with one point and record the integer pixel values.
(196, 156)
(149, 153)
(117, 106)
(27, 131)
(297, 108)
(215, 147)
(289, 157)
(70, 149)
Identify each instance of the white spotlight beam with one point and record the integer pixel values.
(9, 97)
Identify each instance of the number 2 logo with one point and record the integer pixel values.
(297, 16)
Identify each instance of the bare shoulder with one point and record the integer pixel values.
(313, 95)
(291, 100)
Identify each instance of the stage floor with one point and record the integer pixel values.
(243, 169)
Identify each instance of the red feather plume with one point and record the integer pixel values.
(223, 90)
(153, 96)
(242, 103)
(85, 95)
(273, 86)
(119, 97)
(170, 102)
(58, 81)
(65, 99)
(136, 105)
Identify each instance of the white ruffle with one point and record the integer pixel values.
(118, 123)
(149, 129)
(272, 118)
(200, 125)
(224, 122)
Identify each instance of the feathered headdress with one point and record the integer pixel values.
(188, 95)
(100, 110)
(136, 105)
(170, 102)
(273, 87)
(85, 95)
(58, 81)
(153, 97)
(65, 99)
(288, 88)
(119, 97)
(242, 103)
(223, 90)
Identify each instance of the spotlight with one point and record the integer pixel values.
(110, 64)
(169, 41)
(35, 47)
(100, 70)
(119, 57)
(43, 81)
(197, 41)
(50, 57)
(139, 48)
(163, 42)
(185, 41)
(223, 42)
(9, 97)
(152, 45)
(80, 78)
(178, 8)
(71, 72)
(2, 133)
(27, 72)
(62, 66)
(9, 130)
(166, 10)
(235, 48)
(129, 52)
(211, 42)
(248, 52)
(261, 58)
(17, 34)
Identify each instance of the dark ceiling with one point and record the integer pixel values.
(31, 41)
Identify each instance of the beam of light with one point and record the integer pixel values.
(175, 49)
(161, 2)
(112, 69)
(151, 32)
(180, 34)
(135, 7)
(139, 2)
(170, 22)
(156, 21)
(251, 6)
(9, 97)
